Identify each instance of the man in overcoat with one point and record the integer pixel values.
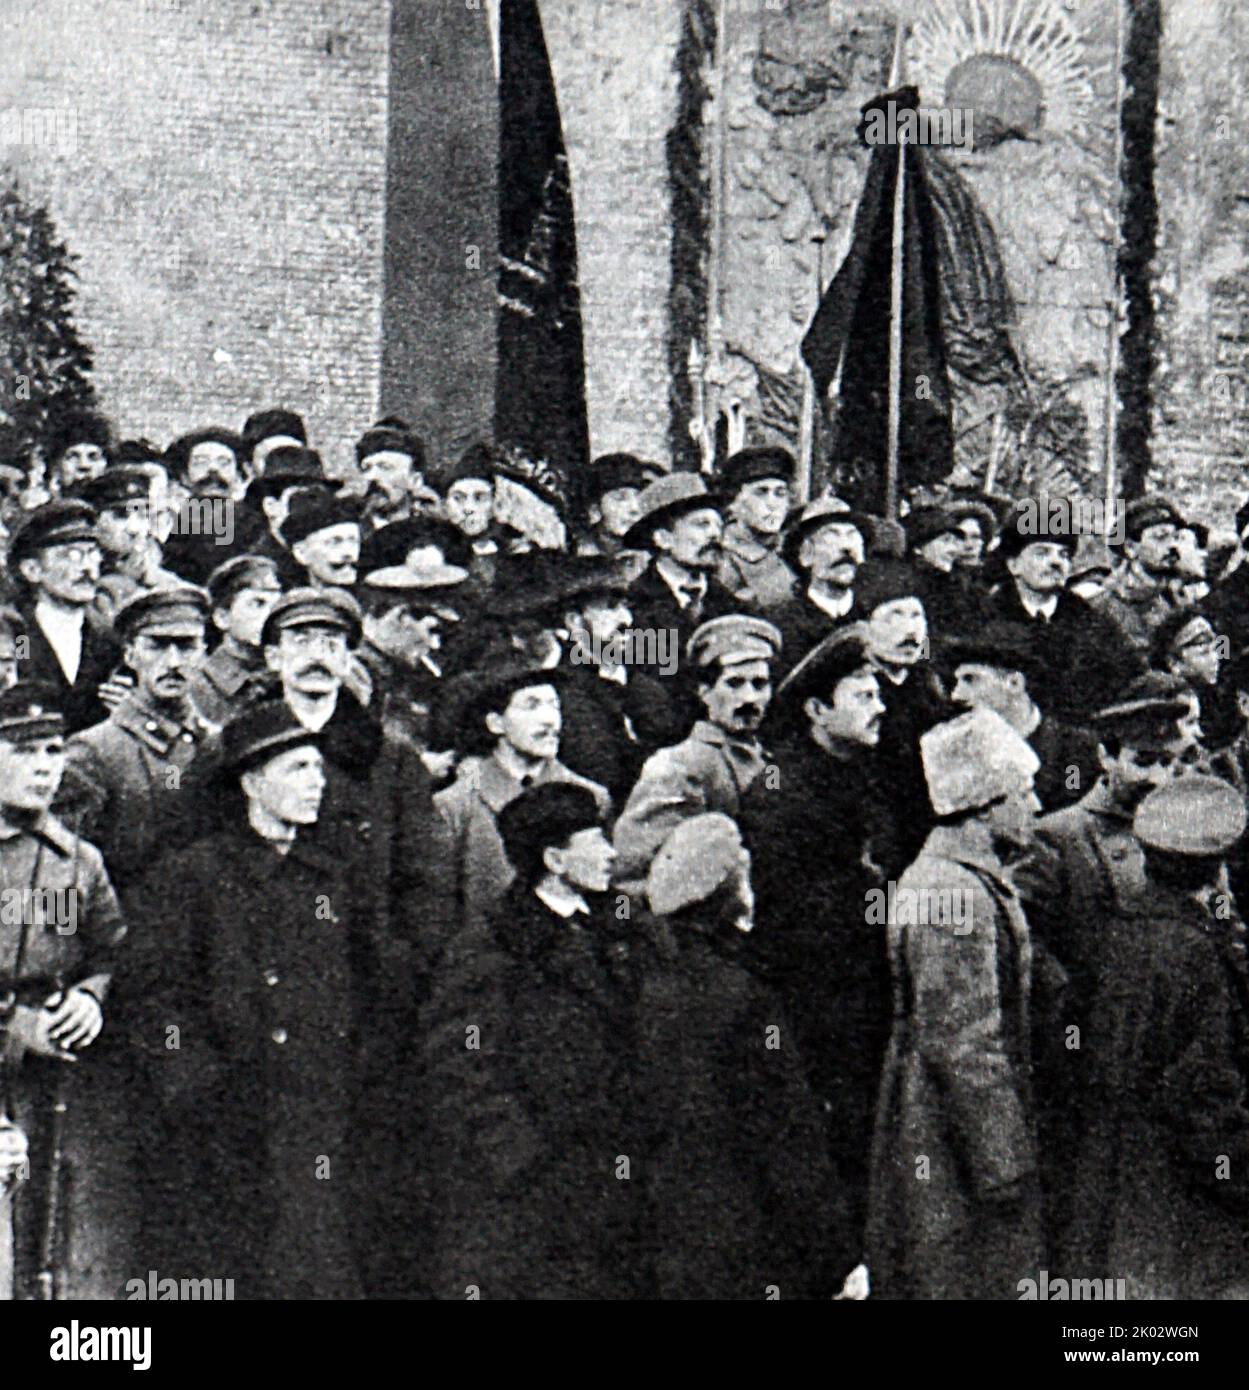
(757, 483)
(955, 1210)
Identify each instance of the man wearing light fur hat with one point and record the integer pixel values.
(955, 1211)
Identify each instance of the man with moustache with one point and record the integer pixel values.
(75, 449)
(509, 736)
(721, 757)
(809, 831)
(391, 459)
(57, 961)
(758, 484)
(265, 1165)
(126, 785)
(523, 1131)
(956, 1089)
(242, 592)
(54, 558)
(1084, 654)
(1144, 590)
(995, 667)
(825, 547)
(323, 533)
(207, 464)
(1085, 865)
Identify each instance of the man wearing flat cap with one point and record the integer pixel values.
(127, 784)
(206, 465)
(242, 592)
(1160, 1189)
(122, 498)
(1145, 588)
(825, 547)
(323, 532)
(730, 659)
(1085, 654)
(957, 1078)
(810, 831)
(61, 938)
(757, 485)
(679, 524)
(264, 1163)
(54, 559)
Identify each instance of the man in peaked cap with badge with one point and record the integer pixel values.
(122, 498)
(127, 785)
(731, 661)
(957, 1086)
(1160, 1187)
(54, 557)
(242, 592)
(60, 935)
(758, 486)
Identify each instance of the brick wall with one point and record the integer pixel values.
(224, 191)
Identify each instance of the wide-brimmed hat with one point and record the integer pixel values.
(824, 511)
(663, 501)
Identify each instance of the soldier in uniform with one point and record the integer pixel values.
(126, 780)
(759, 484)
(242, 592)
(59, 933)
(722, 756)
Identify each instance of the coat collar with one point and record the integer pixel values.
(152, 727)
(497, 787)
(945, 842)
(352, 739)
(739, 539)
(745, 757)
(228, 673)
(44, 827)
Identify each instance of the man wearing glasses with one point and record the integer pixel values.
(54, 560)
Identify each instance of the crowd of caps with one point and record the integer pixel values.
(443, 954)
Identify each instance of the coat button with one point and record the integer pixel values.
(150, 726)
(280, 1035)
(272, 978)
(366, 829)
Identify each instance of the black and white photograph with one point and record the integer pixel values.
(624, 662)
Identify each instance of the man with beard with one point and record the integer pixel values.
(722, 756)
(75, 450)
(996, 668)
(809, 832)
(509, 736)
(680, 526)
(206, 464)
(935, 543)
(1160, 1179)
(1085, 655)
(391, 459)
(611, 486)
(757, 484)
(265, 1166)
(525, 1128)
(1086, 864)
(956, 1090)
(54, 558)
(323, 532)
(267, 430)
(468, 493)
(122, 498)
(242, 593)
(125, 785)
(896, 632)
(825, 547)
(1144, 591)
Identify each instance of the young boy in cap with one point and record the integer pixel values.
(1159, 1188)
(55, 558)
(956, 1087)
(758, 483)
(716, 764)
(242, 593)
(59, 938)
(525, 1125)
(126, 783)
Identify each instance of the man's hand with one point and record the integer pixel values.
(75, 1018)
(12, 1151)
(118, 688)
(30, 1030)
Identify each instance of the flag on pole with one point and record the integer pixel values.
(848, 340)
(540, 407)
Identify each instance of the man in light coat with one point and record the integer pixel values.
(954, 1208)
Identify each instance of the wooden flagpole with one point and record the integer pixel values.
(895, 300)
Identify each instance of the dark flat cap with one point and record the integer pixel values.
(30, 710)
(179, 452)
(753, 464)
(664, 501)
(70, 427)
(117, 486)
(391, 435)
(315, 510)
(54, 523)
(272, 424)
(543, 818)
(313, 607)
(181, 610)
(1193, 815)
(260, 732)
(239, 573)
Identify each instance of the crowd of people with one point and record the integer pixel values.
(749, 898)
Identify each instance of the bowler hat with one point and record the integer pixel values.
(1005, 645)
(289, 465)
(393, 544)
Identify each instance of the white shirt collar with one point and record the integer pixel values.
(681, 584)
(64, 633)
(563, 901)
(826, 605)
(1043, 609)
